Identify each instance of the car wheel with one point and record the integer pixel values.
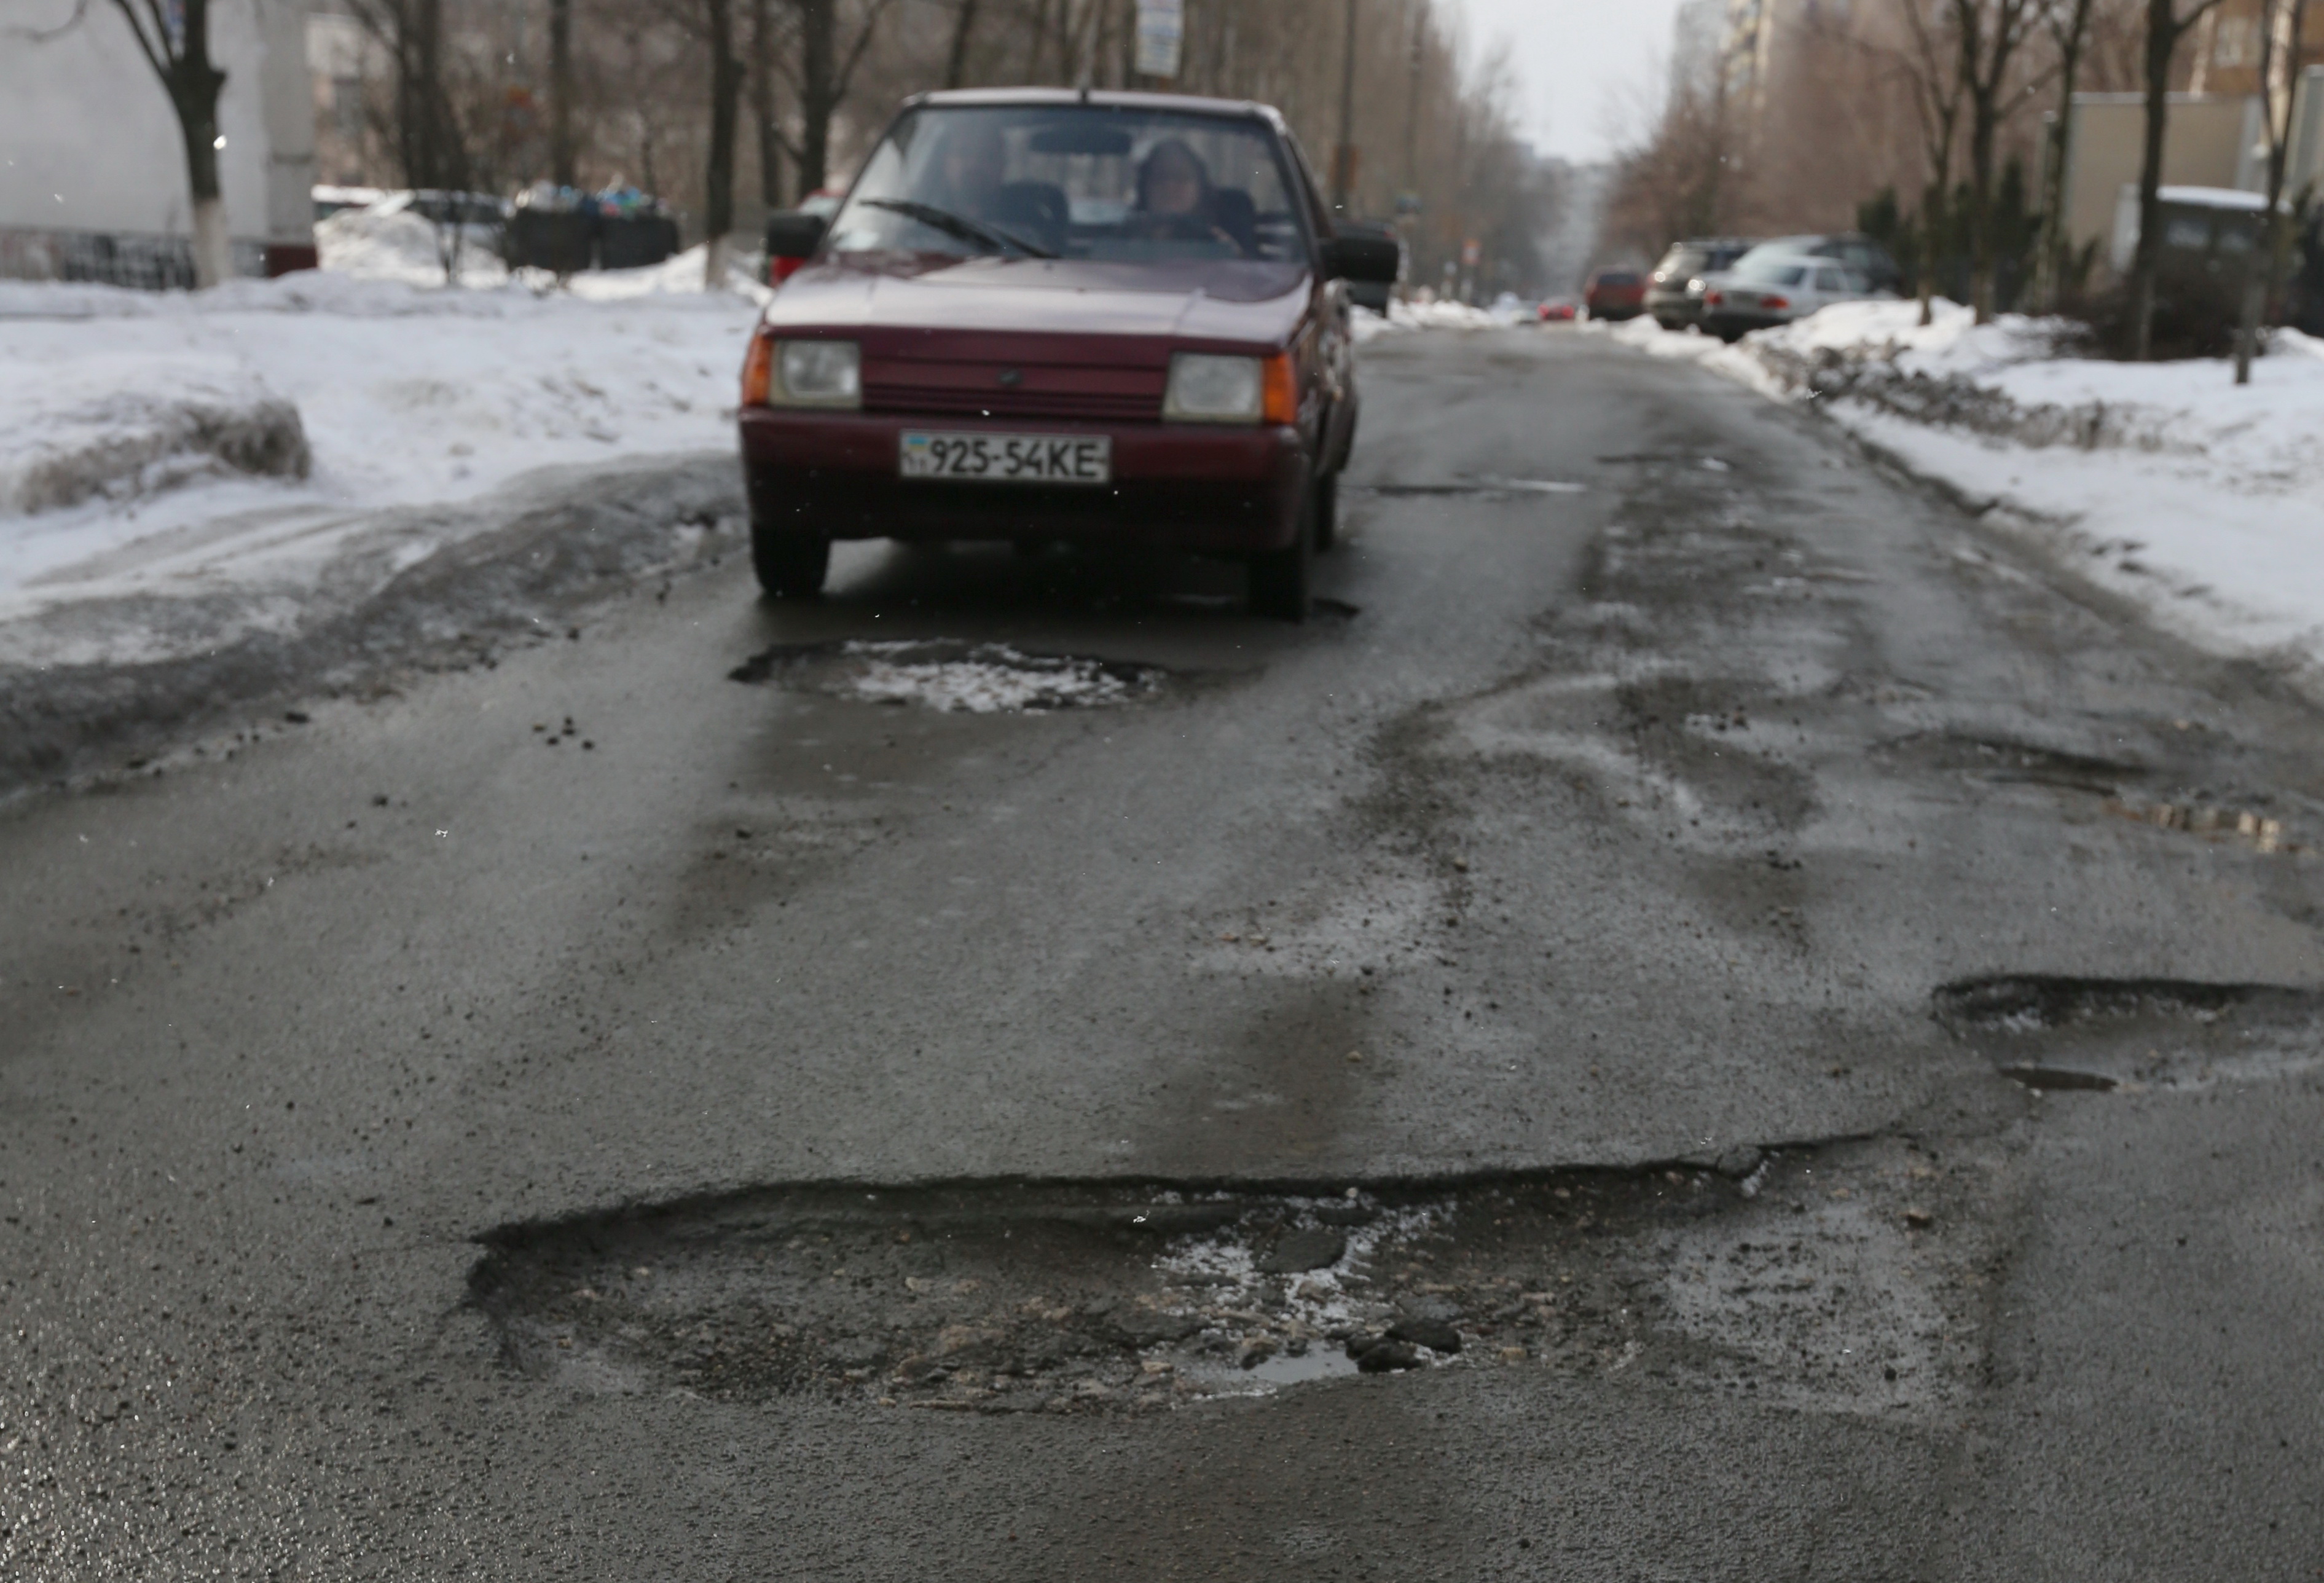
(1327, 511)
(790, 566)
(1279, 577)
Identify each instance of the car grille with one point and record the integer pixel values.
(1098, 395)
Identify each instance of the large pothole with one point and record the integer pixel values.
(1118, 1299)
(952, 677)
(2050, 1032)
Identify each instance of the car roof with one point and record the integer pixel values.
(1110, 99)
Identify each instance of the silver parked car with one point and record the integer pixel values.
(1766, 288)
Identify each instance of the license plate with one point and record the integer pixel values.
(1008, 458)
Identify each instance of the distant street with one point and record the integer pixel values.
(1704, 1017)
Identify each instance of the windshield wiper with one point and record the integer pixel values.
(959, 225)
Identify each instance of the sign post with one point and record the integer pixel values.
(1161, 37)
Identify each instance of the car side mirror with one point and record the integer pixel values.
(792, 238)
(1369, 260)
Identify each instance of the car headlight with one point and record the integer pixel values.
(1206, 388)
(817, 373)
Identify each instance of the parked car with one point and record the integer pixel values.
(1558, 310)
(1668, 297)
(1043, 314)
(1371, 294)
(1766, 288)
(1615, 294)
(1852, 249)
(818, 206)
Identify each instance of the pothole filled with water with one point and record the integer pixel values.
(2059, 1032)
(954, 678)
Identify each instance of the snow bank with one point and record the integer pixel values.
(121, 427)
(2200, 499)
(135, 425)
(1422, 315)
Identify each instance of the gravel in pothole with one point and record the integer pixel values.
(1067, 1299)
(973, 678)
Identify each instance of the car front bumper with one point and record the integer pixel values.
(1212, 489)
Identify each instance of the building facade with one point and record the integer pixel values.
(93, 185)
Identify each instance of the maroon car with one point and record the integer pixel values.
(1108, 317)
(1615, 294)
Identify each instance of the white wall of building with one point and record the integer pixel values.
(89, 143)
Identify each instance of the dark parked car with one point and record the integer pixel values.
(1371, 294)
(1111, 318)
(1853, 250)
(1667, 298)
(1615, 294)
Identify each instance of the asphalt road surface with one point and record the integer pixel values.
(1813, 1004)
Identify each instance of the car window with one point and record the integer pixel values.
(1773, 272)
(1077, 182)
(1680, 263)
(1830, 279)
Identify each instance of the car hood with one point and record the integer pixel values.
(1231, 300)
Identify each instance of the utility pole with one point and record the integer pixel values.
(1344, 160)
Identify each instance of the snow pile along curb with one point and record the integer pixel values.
(124, 426)
(2165, 482)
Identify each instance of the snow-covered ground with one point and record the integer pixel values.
(164, 444)
(2200, 499)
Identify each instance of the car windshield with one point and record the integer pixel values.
(1773, 272)
(1681, 261)
(1089, 181)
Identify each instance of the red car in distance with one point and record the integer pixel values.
(1615, 294)
(1106, 317)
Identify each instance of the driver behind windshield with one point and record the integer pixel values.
(1176, 197)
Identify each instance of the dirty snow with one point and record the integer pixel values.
(114, 481)
(990, 678)
(2201, 501)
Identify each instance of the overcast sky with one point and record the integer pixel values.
(1576, 62)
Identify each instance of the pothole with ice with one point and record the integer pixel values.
(1124, 1300)
(954, 678)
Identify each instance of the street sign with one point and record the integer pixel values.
(1161, 36)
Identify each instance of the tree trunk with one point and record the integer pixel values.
(725, 112)
(560, 92)
(818, 90)
(762, 106)
(2162, 42)
(956, 63)
(194, 85)
(2050, 267)
(1983, 114)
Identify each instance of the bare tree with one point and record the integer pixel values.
(1989, 34)
(431, 144)
(175, 40)
(1935, 70)
(726, 113)
(2267, 270)
(964, 25)
(2069, 25)
(765, 122)
(2166, 25)
(560, 92)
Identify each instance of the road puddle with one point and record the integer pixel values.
(2056, 1033)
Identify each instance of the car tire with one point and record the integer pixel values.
(1327, 511)
(790, 566)
(1279, 577)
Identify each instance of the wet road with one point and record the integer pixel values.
(1821, 1004)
